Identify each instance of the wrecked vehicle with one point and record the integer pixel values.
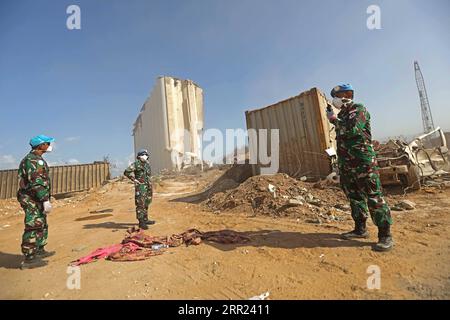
(407, 164)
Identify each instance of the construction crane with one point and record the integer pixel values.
(427, 118)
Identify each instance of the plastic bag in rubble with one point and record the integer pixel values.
(159, 246)
(263, 296)
(272, 189)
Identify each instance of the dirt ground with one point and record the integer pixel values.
(292, 256)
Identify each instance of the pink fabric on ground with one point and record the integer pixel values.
(106, 252)
(138, 246)
(98, 254)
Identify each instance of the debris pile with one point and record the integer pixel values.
(411, 164)
(280, 195)
(10, 207)
(230, 179)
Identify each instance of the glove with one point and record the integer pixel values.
(47, 206)
(330, 113)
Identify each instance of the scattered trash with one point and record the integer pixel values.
(295, 202)
(404, 205)
(408, 205)
(321, 256)
(272, 190)
(312, 200)
(159, 246)
(262, 296)
(304, 178)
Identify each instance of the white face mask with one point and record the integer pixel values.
(143, 158)
(49, 148)
(340, 102)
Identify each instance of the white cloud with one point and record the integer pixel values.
(63, 162)
(119, 165)
(8, 162)
(73, 161)
(72, 139)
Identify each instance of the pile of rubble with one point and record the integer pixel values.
(10, 207)
(280, 195)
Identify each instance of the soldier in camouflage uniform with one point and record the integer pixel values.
(358, 167)
(34, 198)
(140, 173)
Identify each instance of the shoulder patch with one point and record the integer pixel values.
(41, 163)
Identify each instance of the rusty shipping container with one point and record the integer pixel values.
(304, 134)
(64, 179)
(170, 124)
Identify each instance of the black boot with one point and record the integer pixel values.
(32, 262)
(148, 221)
(360, 231)
(385, 242)
(142, 224)
(42, 253)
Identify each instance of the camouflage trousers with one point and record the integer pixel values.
(36, 228)
(142, 199)
(365, 195)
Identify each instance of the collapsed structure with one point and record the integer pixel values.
(407, 164)
(170, 124)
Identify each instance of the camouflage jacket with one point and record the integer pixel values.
(34, 177)
(140, 171)
(354, 140)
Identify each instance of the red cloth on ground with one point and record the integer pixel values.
(138, 246)
(104, 253)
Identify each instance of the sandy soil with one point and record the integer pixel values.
(288, 257)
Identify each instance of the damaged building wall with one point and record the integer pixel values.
(170, 124)
(304, 134)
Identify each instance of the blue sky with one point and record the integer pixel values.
(85, 87)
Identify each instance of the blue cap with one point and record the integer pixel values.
(40, 139)
(341, 88)
(142, 152)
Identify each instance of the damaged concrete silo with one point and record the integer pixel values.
(170, 124)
